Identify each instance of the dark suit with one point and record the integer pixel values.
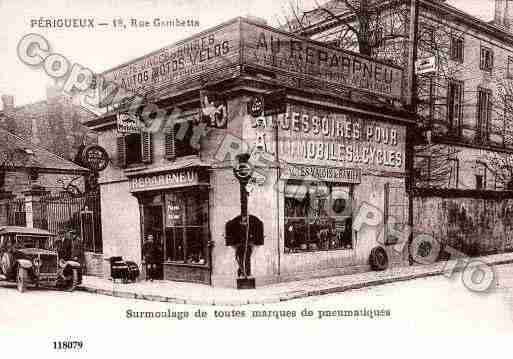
(236, 235)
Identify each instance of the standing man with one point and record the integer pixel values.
(76, 247)
(149, 257)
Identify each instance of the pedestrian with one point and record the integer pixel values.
(76, 246)
(149, 257)
(66, 246)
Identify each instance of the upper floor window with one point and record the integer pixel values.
(427, 39)
(457, 48)
(480, 175)
(484, 112)
(454, 105)
(180, 140)
(486, 61)
(134, 148)
(510, 67)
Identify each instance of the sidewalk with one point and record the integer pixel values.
(200, 294)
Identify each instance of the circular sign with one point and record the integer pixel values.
(95, 158)
(243, 170)
(256, 107)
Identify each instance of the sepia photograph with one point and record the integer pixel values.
(248, 178)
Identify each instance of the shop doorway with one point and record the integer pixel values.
(153, 225)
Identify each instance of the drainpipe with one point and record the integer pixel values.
(411, 102)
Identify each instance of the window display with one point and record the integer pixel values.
(187, 226)
(317, 217)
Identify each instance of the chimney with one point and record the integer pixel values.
(504, 13)
(8, 102)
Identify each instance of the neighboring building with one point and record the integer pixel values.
(55, 124)
(327, 155)
(26, 169)
(463, 164)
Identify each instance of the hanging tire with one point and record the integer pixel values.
(378, 259)
(21, 279)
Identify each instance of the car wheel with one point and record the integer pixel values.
(6, 263)
(21, 279)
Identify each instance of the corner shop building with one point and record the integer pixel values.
(329, 151)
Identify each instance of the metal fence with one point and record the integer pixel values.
(59, 213)
(14, 212)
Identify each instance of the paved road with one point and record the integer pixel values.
(434, 305)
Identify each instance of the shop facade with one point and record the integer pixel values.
(317, 157)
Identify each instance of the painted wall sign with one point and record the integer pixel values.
(213, 52)
(279, 51)
(322, 173)
(162, 181)
(213, 49)
(318, 137)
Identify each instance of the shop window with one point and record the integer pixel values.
(457, 48)
(454, 105)
(317, 217)
(187, 235)
(484, 112)
(134, 148)
(510, 67)
(179, 140)
(486, 60)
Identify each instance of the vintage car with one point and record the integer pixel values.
(27, 257)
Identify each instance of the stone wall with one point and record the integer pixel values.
(474, 226)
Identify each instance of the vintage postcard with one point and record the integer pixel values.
(297, 177)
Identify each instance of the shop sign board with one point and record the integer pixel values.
(164, 180)
(322, 173)
(425, 66)
(95, 158)
(127, 122)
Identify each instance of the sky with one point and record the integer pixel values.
(101, 48)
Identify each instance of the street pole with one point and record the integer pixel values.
(411, 102)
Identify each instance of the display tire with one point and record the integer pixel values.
(378, 259)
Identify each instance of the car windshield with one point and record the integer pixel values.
(25, 241)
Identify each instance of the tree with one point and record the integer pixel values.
(367, 24)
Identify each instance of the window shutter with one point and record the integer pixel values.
(169, 142)
(121, 151)
(146, 146)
